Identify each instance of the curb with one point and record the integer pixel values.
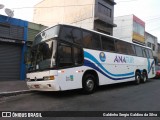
(14, 93)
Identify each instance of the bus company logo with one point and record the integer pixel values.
(43, 34)
(102, 57)
(123, 59)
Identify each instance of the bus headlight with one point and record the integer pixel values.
(48, 78)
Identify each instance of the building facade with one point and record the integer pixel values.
(91, 14)
(130, 28)
(159, 53)
(151, 41)
(13, 35)
(33, 30)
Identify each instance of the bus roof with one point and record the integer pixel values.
(94, 32)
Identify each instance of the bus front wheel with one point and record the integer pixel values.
(89, 84)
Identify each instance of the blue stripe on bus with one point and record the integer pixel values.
(89, 56)
(148, 65)
(151, 66)
(92, 65)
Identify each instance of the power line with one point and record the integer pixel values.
(55, 6)
(154, 28)
(127, 1)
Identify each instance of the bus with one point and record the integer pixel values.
(66, 57)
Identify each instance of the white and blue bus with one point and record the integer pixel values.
(65, 57)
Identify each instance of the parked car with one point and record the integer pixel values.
(157, 71)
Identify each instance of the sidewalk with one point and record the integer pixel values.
(14, 87)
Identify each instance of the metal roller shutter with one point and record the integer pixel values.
(10, 58)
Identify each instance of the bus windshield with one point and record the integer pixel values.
(42, 56)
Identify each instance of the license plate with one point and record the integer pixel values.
(36, 86)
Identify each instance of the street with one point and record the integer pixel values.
(119, 97)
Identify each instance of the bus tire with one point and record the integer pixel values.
(89, 84)
(144, 77)
(137, 78)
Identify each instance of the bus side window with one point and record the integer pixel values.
(108, 44)
(96, 44)
(147, 53)
(150, 54)
(87, 39)
(139, 52)
(130, 49)
(78, 56)
(77, 35)
(66, 34)
(65, 55)
(121, 47)
(144, 53)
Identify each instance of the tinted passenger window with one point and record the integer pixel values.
(91, 40)
(65, 55)
(71, 34)
(87, 39)
(131, 49)
(107, 44)
(96, 41)
(150, 54)
(147, 53)
(144, 53)
(121, 47)
(77, 36)
(78, 56)
(139, 51)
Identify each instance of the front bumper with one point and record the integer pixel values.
(50, 85)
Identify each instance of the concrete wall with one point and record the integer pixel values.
(78, 12)
(124, 29)
(158, 52)
(153, 40)
(102, 16)
(33, 30)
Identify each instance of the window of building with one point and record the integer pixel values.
(121, 47)
(149, 44)
(104, 10)
(139, 52)
(153, 47)
(78, 56)
(108, 44)
(4, 30)
(138, 28)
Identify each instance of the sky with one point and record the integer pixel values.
(146, 10)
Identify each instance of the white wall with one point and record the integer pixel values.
(124, 29)
(78, 12)
(153, 40)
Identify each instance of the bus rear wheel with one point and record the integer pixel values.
(89, 84)
(137, 78)
(144, 77)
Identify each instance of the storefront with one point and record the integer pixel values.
(13, 35)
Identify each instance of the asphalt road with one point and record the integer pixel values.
(119, 97)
